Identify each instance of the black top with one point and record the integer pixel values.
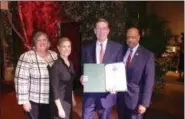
(62, 78)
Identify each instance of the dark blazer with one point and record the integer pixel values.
(61, 83)
(113, 53)
(140, 78)
(61, 79)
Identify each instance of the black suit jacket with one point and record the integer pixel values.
(62, 80)
(113, 54)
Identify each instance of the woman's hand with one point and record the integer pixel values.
(27, 107)
(61, 113)
(74, 102)
(73, 99)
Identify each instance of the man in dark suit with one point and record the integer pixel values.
(140, 73)
(100, 51)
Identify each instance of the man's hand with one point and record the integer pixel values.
(141, 109)
(83, 79)
(112, 90)
(27, 107)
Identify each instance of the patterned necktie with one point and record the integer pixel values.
(101, 53)
(129, 58)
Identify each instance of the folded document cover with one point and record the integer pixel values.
(103, 77)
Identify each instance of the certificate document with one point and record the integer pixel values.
(103, 77)
(115, 77)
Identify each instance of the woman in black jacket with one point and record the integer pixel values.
(62, 76)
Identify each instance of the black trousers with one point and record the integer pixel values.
(38, 111)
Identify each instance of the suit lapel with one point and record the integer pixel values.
(94, 52)
(135, 57)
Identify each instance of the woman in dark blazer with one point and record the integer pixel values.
(62, 76)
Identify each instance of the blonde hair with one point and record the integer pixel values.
(37, 35)
(63, 39)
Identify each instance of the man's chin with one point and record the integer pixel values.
(101, 39)
(131, 46)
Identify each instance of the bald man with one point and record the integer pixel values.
(140, 78)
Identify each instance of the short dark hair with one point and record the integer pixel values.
(135, 28)
(101, 20)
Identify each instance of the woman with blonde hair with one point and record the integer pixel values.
(62, 76)
(32, 80)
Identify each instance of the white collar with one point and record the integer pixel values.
(135, 48)
(104, 42)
